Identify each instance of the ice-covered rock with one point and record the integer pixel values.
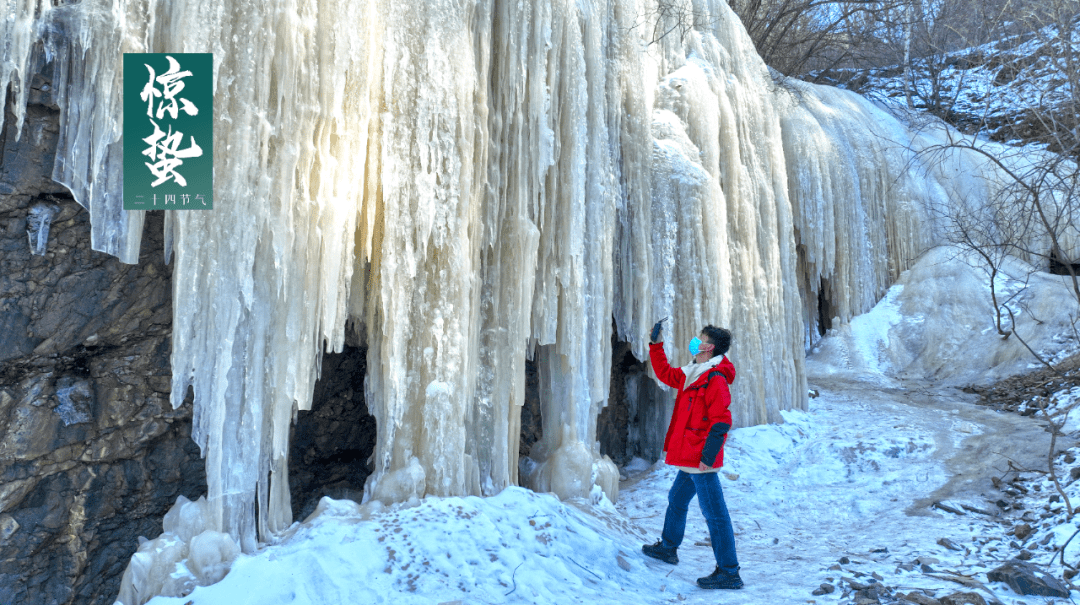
(398, 486)
(938, 322)
(76, 400)
(184, 556)
(38, 219)
(1027, 579)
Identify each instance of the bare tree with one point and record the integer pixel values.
(1035, 212)
(796, 36)
(1055, 108)
(671, 18)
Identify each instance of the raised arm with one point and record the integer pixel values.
(673, 377)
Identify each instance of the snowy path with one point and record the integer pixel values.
(853, 477)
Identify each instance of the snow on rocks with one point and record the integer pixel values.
(989, 86)
(1025, 578)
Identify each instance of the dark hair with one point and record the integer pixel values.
(719, 337)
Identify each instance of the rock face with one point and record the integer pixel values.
(91, 453)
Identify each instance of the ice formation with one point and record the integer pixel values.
(187, 554)
(927, 188)
(937, 322)
(76, 400)
(38, 221)
(83, 44)
(464, 185)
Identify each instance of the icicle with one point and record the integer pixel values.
(864, 196)
(20, 31)
(38, 220)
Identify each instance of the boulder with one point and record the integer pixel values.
(963, 598)
(949, 544)
(1024, 578)
(918, 598)
(873, 593)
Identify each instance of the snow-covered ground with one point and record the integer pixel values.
(846, 493)
(842, 480)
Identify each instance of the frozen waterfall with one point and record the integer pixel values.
(465, 185)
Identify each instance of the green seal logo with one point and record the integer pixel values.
(168, 131)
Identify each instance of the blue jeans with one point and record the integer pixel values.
(706, 486)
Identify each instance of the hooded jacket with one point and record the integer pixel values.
(701, 418)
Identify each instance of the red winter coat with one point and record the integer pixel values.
(701, 418)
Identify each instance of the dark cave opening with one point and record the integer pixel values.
(532, 425)
(331, 444)
(825, 307)
(634, 422)
(1060, 266)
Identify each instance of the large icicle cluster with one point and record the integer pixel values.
(860, 196)
(84, 44)
(464, 185)
(871, 193)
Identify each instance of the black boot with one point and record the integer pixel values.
(657, 551)
(720, 579)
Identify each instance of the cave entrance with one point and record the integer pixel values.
(1060, 266)
(825, 307)
(532, 424)
(634, 423)
(330, 444)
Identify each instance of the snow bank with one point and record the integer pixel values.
(516, 547)
(938, 322)
(836, 481)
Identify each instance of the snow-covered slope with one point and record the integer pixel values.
(938, 322)
(990, 88)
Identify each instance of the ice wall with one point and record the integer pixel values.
(463, 185)
(873, 187)
(860, 198)
(722, 237)
(83, 45)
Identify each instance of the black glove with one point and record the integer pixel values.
(656, 329)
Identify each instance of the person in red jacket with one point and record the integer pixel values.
(695, 444)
